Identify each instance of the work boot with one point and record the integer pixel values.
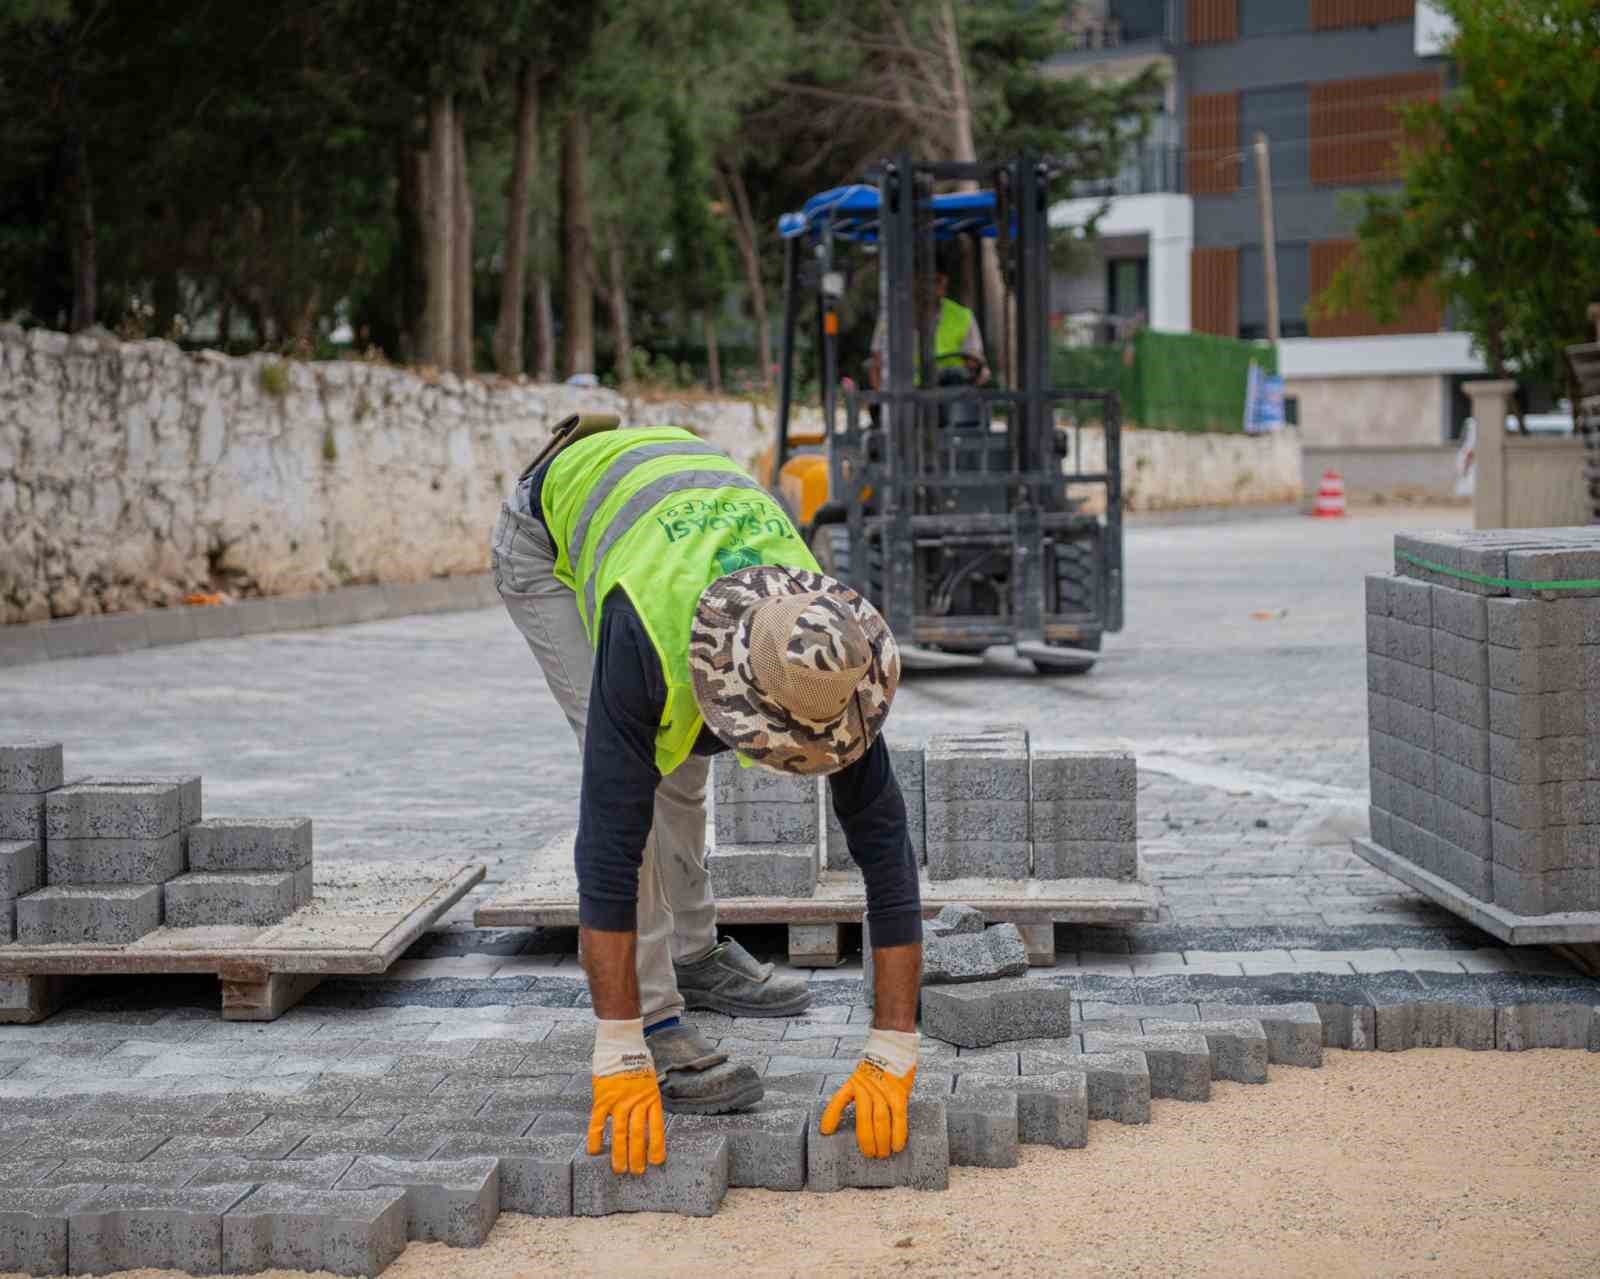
(695, 1078)
(728, 980)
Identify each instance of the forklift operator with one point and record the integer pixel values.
(957, 343)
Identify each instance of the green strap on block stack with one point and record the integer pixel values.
(1574, 584)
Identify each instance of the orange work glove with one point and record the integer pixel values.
(880, 1089)
(625, 1091)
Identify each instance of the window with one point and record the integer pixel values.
(1127, 286)
(1294, 290)
(1139, 19)
(1284, 115)
(1273, 17)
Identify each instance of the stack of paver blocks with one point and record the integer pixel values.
(28, 771)
(976, 804)
(767, 831)
(996, 808)
(242, 872)
(106, 860)
(1484, 713)
(958, 945)
(906, 761)
(1084, 814)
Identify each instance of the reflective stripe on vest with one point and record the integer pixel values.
(661, 514)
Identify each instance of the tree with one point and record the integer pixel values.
(1499, 208)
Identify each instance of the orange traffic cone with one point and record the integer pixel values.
(1330, 497)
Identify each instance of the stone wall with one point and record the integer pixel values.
(133, 473)
(1388, 409)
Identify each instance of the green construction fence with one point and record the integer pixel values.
(1169, 381)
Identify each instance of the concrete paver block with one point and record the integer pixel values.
(190, 798)
(89, 810)
(981, 1014)
(345, 1232)
(1460, 613)
(977, 766)
(123, 859)
(21, 868)
(733, 783)
(969, 957)
(766, 1146)
(33, 1227)
(22, 817)
(1003, 1062)
(1085, 859)
(240, 899)
(535, 1171)
(956, 919)
(454, 1202)
(1545, 1025)
(762, 870)
(30, 766)
(983, 1126)
(978, 859)
(765, 822)
(1294, 1031)
(1411, 1023)
(1116, 1083)
(170, 1173)
(93, 913)
(692, 1182)
(1238, 1047)
(1083, 775)
(1179, 1063)
(836, 1162)
(128, 1227)
(960, 821)
(250, 844)
(1089, 820)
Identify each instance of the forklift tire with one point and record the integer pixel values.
(1070, 665)
(831, 545)
(1076, 566)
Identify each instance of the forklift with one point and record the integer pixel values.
(963, 512)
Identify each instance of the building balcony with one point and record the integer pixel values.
(1156, 168)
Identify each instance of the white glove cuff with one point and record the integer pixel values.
(892, 1051)
(619, 1047)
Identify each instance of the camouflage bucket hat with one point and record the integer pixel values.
(792, 668)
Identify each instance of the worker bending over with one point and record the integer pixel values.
(676, 613)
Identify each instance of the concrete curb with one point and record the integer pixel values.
(25, 644)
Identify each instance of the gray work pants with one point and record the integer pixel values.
(677, 914)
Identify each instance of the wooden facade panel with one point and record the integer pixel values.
(1214, 291)
(1211, 21)
(1355, 126)
(1327, 256)
(1331, 15)
(1211, 142)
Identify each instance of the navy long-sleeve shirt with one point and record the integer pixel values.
(627, 695)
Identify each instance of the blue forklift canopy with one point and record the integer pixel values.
(851, 213)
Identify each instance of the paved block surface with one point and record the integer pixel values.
(126, 1227)
(346, 1232)
(30, 765)
(76, 914)
(250, 844)
(836, 1162)
(1116, 1083)
(691, 1183)
(1179, 1062)
(447, 1201)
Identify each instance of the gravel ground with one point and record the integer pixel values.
(1426, 1163)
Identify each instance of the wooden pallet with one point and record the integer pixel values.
(1575, 935)
(550, 899)
(363, 918)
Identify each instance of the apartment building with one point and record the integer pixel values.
(1180, 247)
